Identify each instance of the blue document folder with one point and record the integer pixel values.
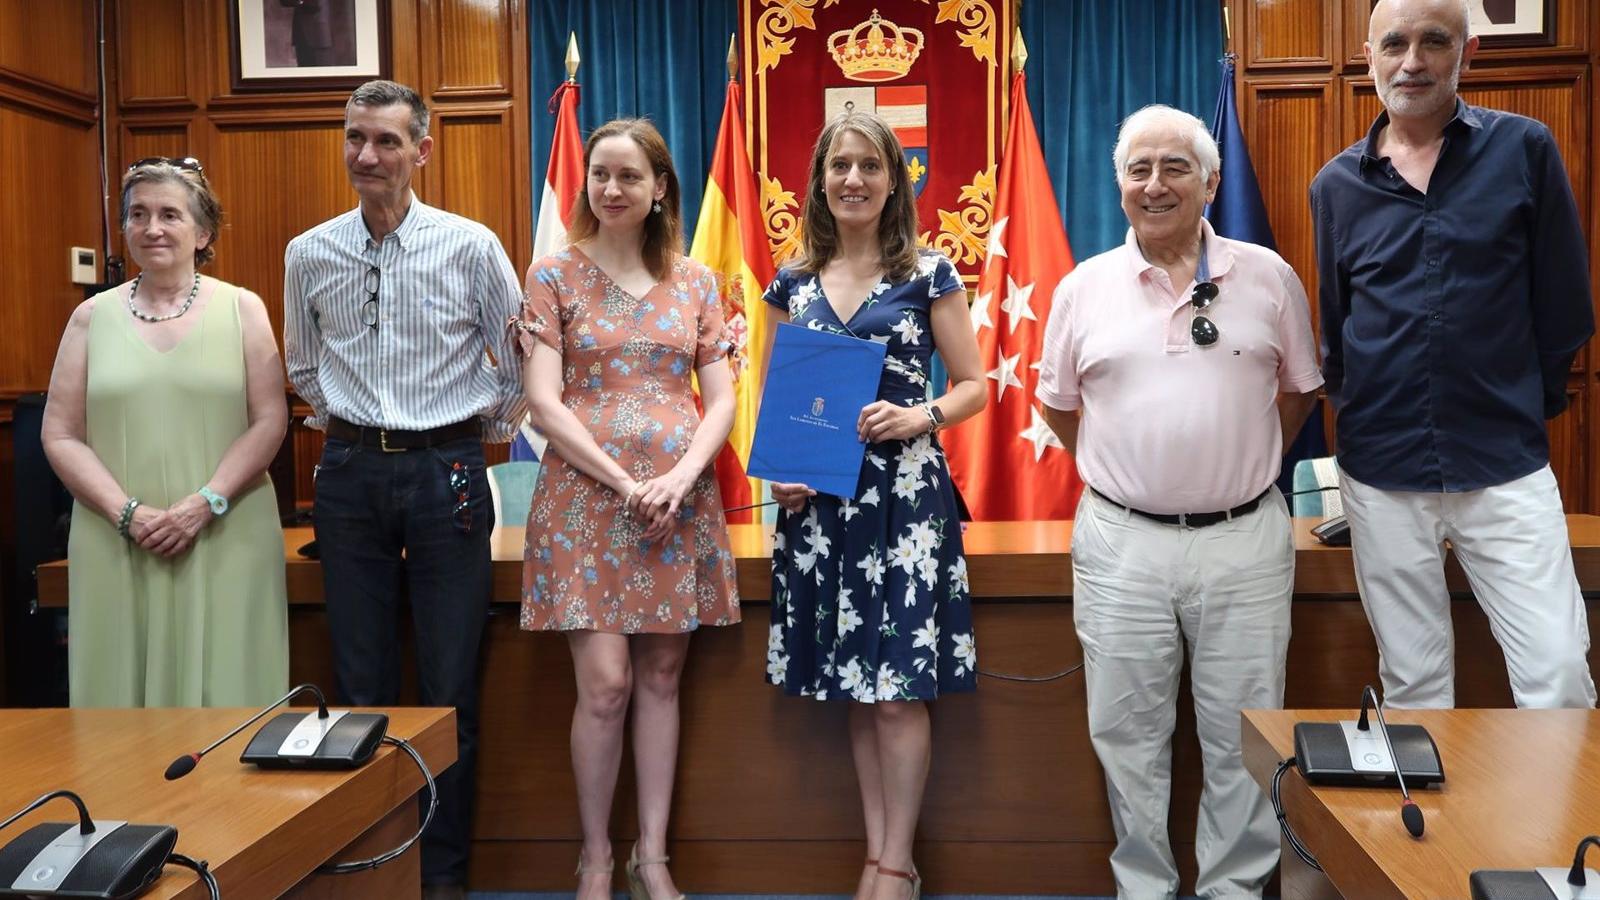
(817, 382)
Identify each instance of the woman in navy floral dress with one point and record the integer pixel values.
(869, 593)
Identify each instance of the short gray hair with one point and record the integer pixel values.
(388, 93)
(1201, 143)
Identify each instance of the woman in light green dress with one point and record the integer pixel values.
(166, 405)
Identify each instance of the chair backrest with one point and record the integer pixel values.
(511, 488)
(1311, 474)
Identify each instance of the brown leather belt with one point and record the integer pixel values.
(1192, 520)
(393, 440)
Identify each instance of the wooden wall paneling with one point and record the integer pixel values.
(154, 58)
(475, 154)
(470, 46)
(1296, 119)
(49, 202)
(1353, 18)
(50, 46)
(1285, 34)
(276, 177)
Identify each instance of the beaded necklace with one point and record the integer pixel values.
(146, 317)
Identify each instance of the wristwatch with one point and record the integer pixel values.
(935, 417)
(219, 503)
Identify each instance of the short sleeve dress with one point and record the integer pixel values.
(625, 373)
(869, 595)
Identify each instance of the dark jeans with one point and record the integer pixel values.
(370, 507)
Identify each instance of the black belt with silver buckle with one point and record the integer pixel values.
(1192, 520)
(393, 440)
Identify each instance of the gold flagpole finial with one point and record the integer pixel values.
(573, 59)
(1227, 29)
(1019, 53)
(733, 57)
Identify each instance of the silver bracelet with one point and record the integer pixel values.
(125, 518)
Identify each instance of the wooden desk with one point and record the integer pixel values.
(1004, 559)
(1521, 789)
(1015, 801)
(262, 832)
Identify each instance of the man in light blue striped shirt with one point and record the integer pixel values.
(388, 312)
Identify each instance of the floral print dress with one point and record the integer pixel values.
(869, 595)
(625, 367)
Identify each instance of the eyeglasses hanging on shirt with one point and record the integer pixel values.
(1202, 330)
(369, 308)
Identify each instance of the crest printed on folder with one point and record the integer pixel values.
(933, 69)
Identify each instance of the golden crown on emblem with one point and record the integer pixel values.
(875, 50)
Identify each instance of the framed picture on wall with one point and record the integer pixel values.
(296, 45)
(1513, 23)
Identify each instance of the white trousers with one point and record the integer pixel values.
(1511, 540)
(1141, 592)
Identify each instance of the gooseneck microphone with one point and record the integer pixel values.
(85, 824)
(1410, 812)
(1575, 876)
(185, 764)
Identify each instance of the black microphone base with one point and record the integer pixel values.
(348, 743)
(1322, 754)
(1549, 883)
(122, 864)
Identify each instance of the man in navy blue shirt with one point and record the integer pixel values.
(1454, 291)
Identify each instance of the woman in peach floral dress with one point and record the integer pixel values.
(627, 550)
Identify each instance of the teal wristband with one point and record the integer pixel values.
(219, 503)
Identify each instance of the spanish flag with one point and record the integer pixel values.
(731, 240)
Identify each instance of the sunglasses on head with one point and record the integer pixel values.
(1202, 330)
(188, 162)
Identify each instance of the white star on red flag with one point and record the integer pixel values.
(980, 313)
(1039, 434)
(1006, 461)
(997, 247)
(1006, 374)
(1016, 305)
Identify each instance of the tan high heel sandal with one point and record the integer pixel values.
(912, 876)
(637, 889)
(594, 868)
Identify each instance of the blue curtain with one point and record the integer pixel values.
(1090, 64)
(664, 59)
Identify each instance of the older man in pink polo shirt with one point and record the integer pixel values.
(1176, 366)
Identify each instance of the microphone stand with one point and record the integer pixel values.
(185, 764)
(85, 824)
(1410, 812)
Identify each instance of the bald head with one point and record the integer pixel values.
(1417, 50)
(1456, 15)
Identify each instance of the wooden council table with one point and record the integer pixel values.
(262, 832)
(766, 799)
(1521, 788)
